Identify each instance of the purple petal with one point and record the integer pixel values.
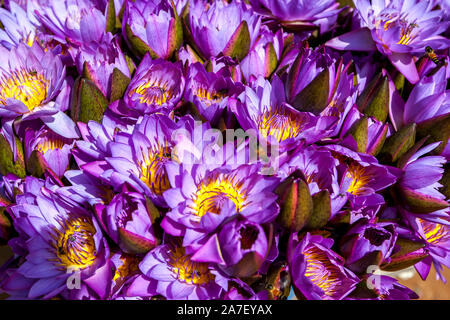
(357, 40)
(405, 64)
(209, 252)
(62, 124)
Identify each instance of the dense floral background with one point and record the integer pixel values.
(242, 149)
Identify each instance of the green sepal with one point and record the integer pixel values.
(314, 97)
(321, 210)
(374, 100)
(7, 164)
(119, 84)
(239, 43)
(398, 144)
(88, 102)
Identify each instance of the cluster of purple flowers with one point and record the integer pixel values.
(195, 149)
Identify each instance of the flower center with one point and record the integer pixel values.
(153, 91)
(29, 87)
(435, 233)
(130, 265)
(186, 270)
(212, 194)
(153, 172)
(406, 27)
(280, 123)
(50, 141)
(321, 271)
(360, 178)
(209, 97)
(75, 245)
(406, 33)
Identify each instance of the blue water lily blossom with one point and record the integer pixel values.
(223, 150)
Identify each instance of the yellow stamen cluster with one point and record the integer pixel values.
(153, 91)
(75, 245)
(130, 265)
(321, 271)
(186, 270)
(360, 178)
(214, 191)
(29, 87)
(280, 123)
(406, 28)
(152, 169)
(50, 142)
(209, 97)
(406, 34)
(435, 232)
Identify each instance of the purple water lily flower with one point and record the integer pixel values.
(428, 103)
(264, 55)
(397, 29)
(127, 269)
(341, 92)
(318, 273)
(19, 26)
(13, 185)
(171, 273)
(32, 85)
(156, 86)
(364, 241)
(384, 288)
(320, 170)
(139, 158)
(94, 182)
(74, 21)
(299, 15)
(154, 23)
(427, 100)
(437, 238)
(55, 148)
(101, 59)
(61, 238)
(90, 153)
(361, 177)
(237, 240)
(210, 92)
(240, 237)
(419, 192)
(266, 111)
(127, 221)
(391, 289)
(95, 137)
(201, 198)
(306, 65)
(377, 132)
(215, 27)
(22, 26)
